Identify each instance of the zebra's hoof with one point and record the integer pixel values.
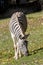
(15, 57)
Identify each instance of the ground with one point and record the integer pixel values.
(35, 42)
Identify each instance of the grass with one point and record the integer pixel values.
(35, 42)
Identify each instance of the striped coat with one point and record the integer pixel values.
(18, 24)
(17, 27)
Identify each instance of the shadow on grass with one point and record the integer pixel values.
(36, 51)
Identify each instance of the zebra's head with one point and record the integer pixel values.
(23, 46)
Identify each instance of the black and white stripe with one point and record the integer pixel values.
(17, 24)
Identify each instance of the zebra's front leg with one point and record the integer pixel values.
(20, 54)
(16, 51)
(15, 46)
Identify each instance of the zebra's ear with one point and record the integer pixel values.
(20, 37)
(24, 37)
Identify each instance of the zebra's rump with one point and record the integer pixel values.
(18, 23)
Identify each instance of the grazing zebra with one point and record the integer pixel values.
(17, 27)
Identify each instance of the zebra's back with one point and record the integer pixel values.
(18, 24)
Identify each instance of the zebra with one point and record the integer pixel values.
(17, 27)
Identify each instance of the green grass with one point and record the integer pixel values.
(35, 42)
